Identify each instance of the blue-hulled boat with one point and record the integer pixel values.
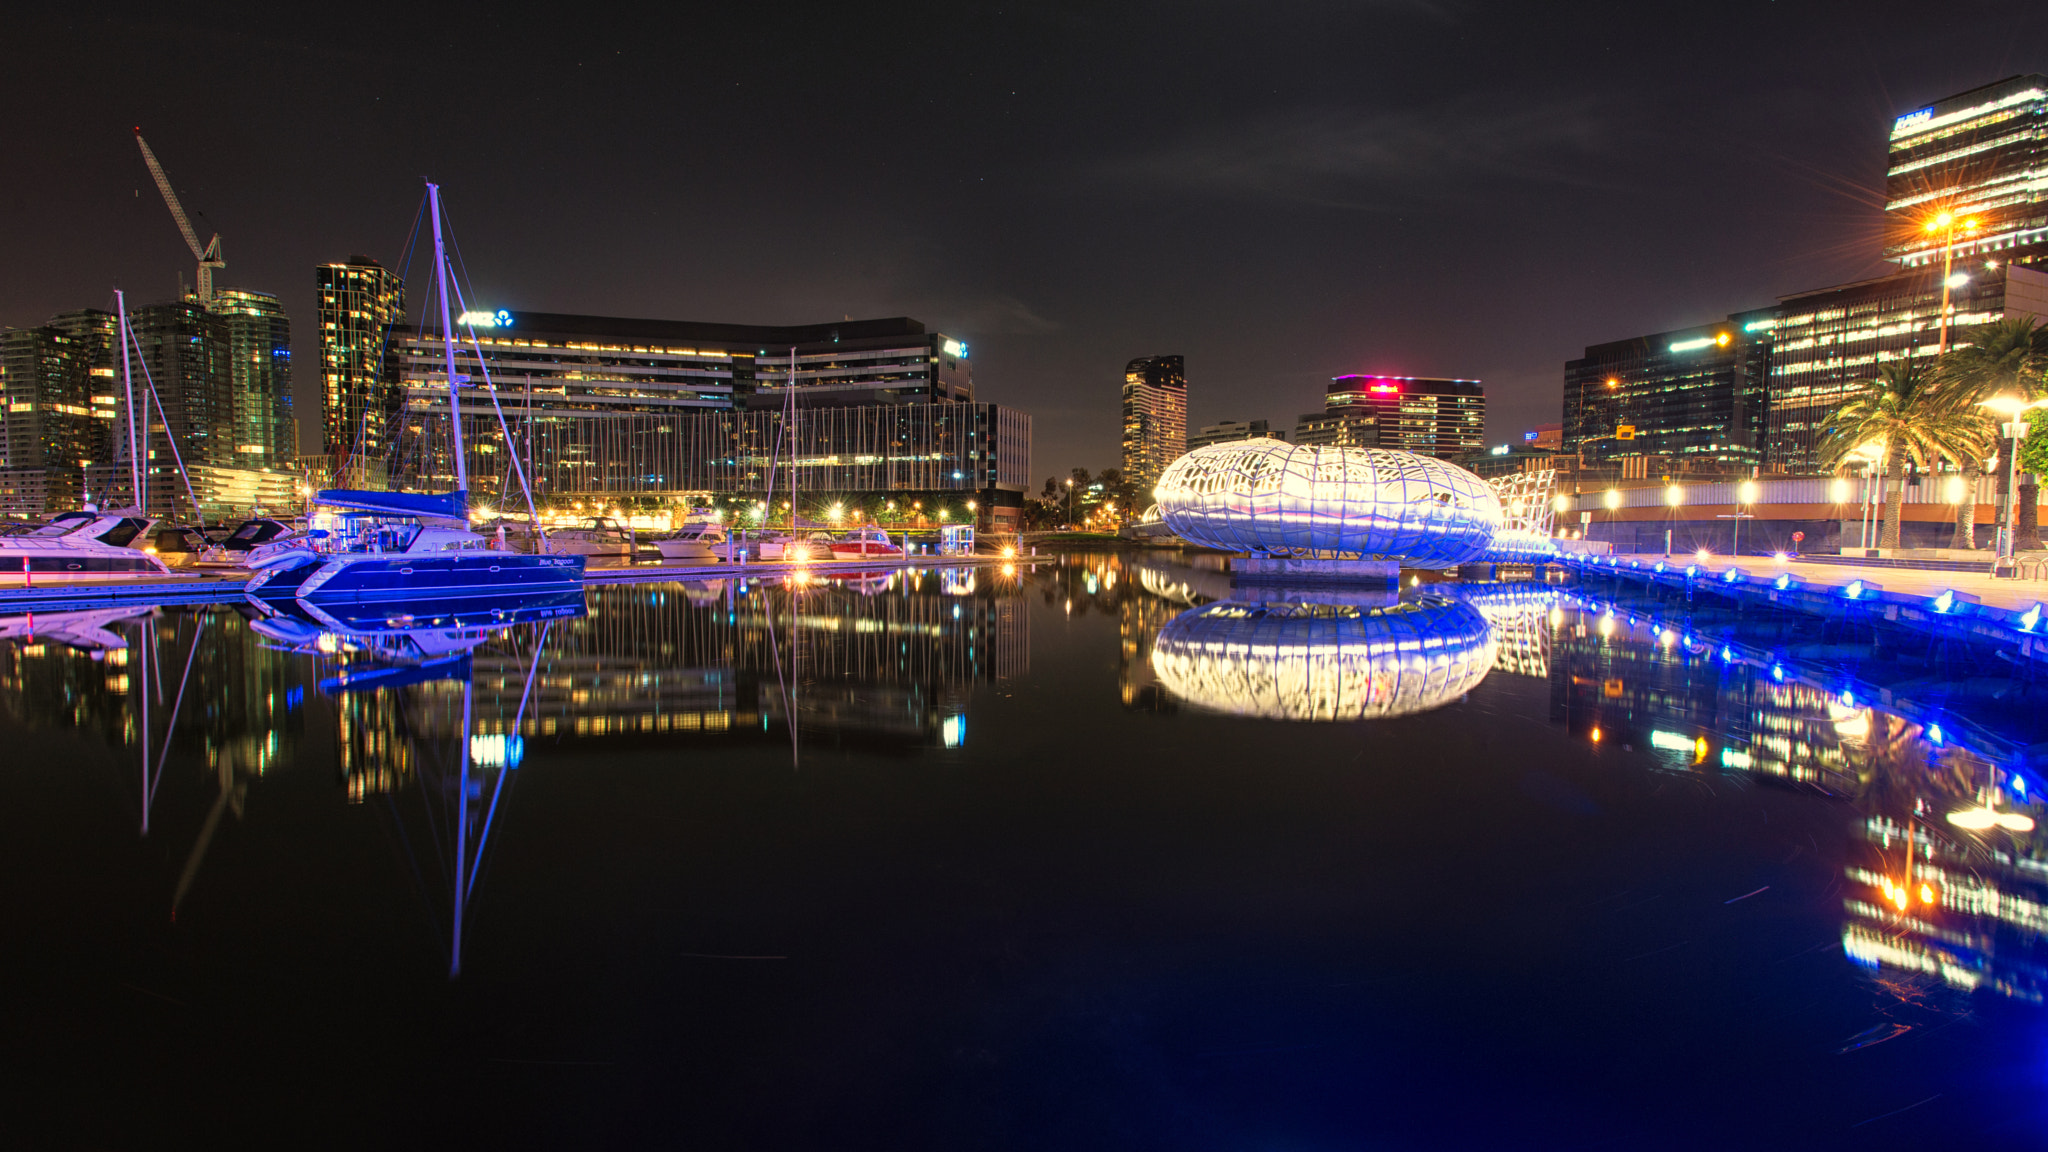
(391, 546)
(375, 547)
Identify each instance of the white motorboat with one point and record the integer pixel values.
(233, 552)
(865, 544)
(76, 546)
(699, 540)
(596, 536)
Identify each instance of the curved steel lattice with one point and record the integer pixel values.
(1528, 518)
(1329, 502)
(1321, 662)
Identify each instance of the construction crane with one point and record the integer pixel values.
(209, 257)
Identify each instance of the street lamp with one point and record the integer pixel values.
(1070, 503)
(2014, 430)
(1745, 493)
(1946, 223)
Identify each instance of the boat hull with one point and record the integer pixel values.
(59, 568)
(864, 551)
(404, 576)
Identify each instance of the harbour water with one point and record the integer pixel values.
(1087, 853)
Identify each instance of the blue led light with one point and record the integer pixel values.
(1728, 654)
(1934, 733)
(1783, 581)
(2030, 618)
(1854, 589)
(1778, 673)
(1945, 602)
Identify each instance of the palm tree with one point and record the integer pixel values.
(1904, 416)
(2005, 357)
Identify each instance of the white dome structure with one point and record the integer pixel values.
(1269, 496)
(1318, 662)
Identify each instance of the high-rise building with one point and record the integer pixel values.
(184, 350)
(1827, 342)
(1430, 416)
(1155, 417)
(1968, 178)
(359, 302)
(48, 430)
(1229, 430)
(259, 354)
(1693, 398)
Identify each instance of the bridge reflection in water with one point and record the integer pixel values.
(1320, 661)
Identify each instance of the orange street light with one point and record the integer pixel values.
(1946, 223)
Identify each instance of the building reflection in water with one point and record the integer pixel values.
(429, 719)
(1948, 882)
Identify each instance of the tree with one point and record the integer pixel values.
(1904, 416)
(2003, 358)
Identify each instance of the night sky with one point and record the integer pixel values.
(1280, 191)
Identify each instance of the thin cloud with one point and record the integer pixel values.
(1380, 159)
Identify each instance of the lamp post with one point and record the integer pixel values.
(1070, 502)
(1745, 493)
(2013, 430)
(1946, 223)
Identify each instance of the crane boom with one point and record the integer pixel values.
(209, 256)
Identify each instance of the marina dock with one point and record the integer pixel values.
(203, 588)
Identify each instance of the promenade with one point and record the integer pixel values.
(2009, 594)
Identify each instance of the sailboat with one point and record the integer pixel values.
(379, 546)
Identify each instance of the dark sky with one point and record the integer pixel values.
(1280, 191)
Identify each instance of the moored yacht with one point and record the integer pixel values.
(76, 546)
(233, 552)
(697, 540)
(866, 543)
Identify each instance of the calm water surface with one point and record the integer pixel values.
(1086, 855)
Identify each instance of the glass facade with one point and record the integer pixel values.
(1981, 157)
(1435, 417)
(359, 301)
(1826, 343)
(1689, 397)
(49, 425)
(1155, 417)
(259, 355)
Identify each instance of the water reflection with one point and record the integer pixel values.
(1949, 883)
(430, 715)
(1323, 661)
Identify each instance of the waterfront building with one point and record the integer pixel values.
(358, 303)
(259, 358)
(1981, 157)
(1687, 400)
(1827, 342)
(607, 409)
(1432, 416)
(1230, 430)
(1155, 412)
(183, 347)
(55, 407)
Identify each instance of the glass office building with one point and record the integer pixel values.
(1429, 415)
(1691, 399)
(1828, 342)
(1981, 157)
(608, 408)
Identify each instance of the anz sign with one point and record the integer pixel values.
(498, 319)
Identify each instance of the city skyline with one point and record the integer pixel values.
(1291, 226)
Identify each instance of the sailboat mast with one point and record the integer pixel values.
(128, 383)
(448, 342)
(789, 422)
